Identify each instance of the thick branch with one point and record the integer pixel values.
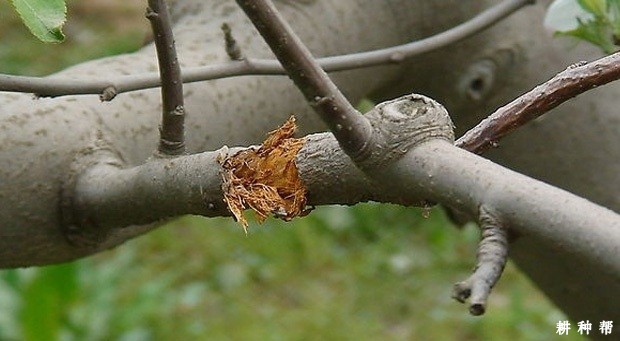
(103, 196)
(108, 88)
(108, 197)
(560, 219)
(567, 84)
(172, 130)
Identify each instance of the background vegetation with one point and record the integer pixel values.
(367, 272)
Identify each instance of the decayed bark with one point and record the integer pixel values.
(41, 138)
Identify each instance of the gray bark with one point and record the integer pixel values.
(574, 148)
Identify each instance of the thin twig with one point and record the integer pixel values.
(172, 130)
(232, 47)
(351, 129)
(61, 86)
(399, 53)
(575, 80)
(491, 259)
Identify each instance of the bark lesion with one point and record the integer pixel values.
(266, 179)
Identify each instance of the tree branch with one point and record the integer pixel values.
(37, 150)
(388, 134)
(107, 197)
(230, 43)
(351, 129)
(107, 89)
(575, 80)
(172, 129)
(103, 198)
(490, 261)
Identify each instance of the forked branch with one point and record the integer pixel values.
(350, 128)
(391, 128)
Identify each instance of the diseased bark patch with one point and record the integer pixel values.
(266, 179)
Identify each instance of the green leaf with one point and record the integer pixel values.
(564, 15)
(595, 21)
(44, 18)
(594, 32)
(596, 7)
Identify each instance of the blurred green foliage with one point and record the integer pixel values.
(594, 21)
(109, 28)
(367, 272)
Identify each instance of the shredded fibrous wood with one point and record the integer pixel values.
(266, 179)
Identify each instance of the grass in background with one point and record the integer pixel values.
(367, 272)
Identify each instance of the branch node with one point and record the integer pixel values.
(232, 47)
(150, 14)
(577, 64)
(172, 148)
(179, 110)
(319, 101)
(490, 261)
(397, 57)
(401, 124)
(108, 94)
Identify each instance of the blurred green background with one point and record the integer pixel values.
(364, 273)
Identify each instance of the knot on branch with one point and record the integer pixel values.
(79, 229)
(401, 124)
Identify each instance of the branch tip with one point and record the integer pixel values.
(490, 262)
(232, 47)
(574, 80)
